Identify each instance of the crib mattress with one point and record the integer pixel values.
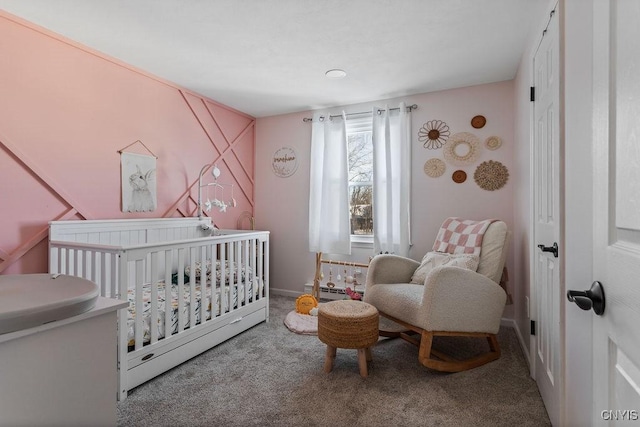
(217, 300)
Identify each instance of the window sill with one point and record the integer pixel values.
(364, 242)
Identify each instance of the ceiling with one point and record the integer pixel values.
(269, 57)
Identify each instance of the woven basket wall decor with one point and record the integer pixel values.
(434, 167)
(459, 176)
(462, 149)
(433, 134)
(478, 122)
(493, 142)
(491, 175)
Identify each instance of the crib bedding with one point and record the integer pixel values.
(217, 303)
(230, 269)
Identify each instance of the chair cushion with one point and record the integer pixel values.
(494, 251)
(435, 259)
(400, 300)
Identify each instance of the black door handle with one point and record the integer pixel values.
(553, 249)
(592, 298)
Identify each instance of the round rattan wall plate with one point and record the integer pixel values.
(462, 149)
(459, 176)
(493, 142)
(491, 175)
(434, 167)
(478, 122)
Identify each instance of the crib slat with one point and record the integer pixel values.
(94, 272)
(233, 290)
(211, 291)
(168, 295)
(115, 278)
(192, 288)
(67, 267)
(245, 282)
(260, 270)
(254, 269)
(139, 282)
(87, 264)
(102, 259)
(181, 319)
(224, 302)
(76, 263)
(58, 260)
(92, 266)
(204, 282)
(239, 285)
(153, 326)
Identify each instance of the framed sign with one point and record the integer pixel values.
(285, 162)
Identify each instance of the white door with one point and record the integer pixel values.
(547, 291)
(616, 139)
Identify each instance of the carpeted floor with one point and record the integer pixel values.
(269, 376)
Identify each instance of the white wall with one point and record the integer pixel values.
(282, 203)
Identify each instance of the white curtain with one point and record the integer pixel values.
(329, 228)
(391, 180)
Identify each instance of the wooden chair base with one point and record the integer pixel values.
(439, 361)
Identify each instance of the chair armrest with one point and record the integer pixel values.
(460, 300)
(390, 269)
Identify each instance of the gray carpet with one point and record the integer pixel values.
(269, 376)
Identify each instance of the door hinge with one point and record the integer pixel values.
(532, 93)
(533, 327)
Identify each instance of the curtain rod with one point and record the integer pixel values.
(409, 109)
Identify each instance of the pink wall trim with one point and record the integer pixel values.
(66, 111)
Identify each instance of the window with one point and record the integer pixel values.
(360, 164)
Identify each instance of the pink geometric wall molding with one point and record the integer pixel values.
(66, 110)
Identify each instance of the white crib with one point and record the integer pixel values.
(149, 263)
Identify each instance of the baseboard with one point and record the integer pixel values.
(335, 293)
(325, 293)
(284, 292)
(510, 323)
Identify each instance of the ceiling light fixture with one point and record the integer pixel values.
(336, 73)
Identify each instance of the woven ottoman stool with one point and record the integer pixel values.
(348, 324)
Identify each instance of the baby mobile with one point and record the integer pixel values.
(219, 200)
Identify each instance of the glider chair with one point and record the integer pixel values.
(455, 291)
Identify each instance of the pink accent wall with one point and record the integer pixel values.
(66, 110)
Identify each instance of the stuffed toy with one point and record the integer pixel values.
(304, 303)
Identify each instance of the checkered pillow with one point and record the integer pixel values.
(461, 236)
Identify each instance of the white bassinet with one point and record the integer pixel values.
(149, 263)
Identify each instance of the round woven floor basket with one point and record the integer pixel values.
(348, 324)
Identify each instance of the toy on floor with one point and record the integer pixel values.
(305, 302)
